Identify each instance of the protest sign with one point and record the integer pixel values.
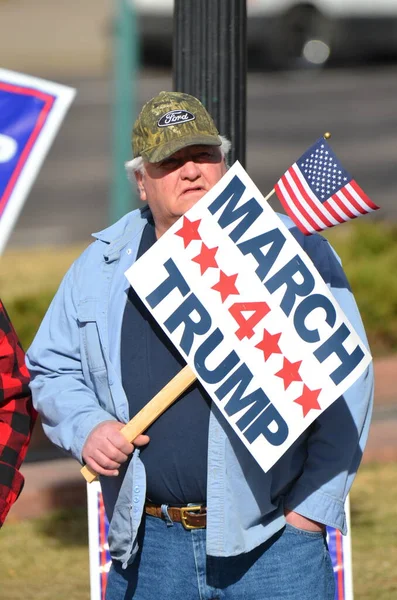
(253, 318)
(32, 111)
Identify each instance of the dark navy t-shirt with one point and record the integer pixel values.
(176, 457)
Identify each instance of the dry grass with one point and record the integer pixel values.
(46, 559)
(374, 532)
(34, 270)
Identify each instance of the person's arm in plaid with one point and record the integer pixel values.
(17, 415)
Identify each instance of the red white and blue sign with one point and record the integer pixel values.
(31, 112)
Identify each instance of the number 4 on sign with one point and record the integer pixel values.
(258, 311)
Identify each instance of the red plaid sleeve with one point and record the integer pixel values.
(17, 415)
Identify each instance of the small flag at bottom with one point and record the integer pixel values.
(317, 192)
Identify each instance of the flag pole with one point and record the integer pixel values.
(270, 194)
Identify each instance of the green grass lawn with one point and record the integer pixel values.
(47, 558)
(374, 532)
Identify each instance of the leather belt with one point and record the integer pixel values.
(191, 517)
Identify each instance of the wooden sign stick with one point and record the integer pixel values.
(151, 411)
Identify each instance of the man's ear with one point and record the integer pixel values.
(140, 185)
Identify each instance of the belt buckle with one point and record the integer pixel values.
(189, 509)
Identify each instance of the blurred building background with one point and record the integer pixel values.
(75, 38)
(56, 39)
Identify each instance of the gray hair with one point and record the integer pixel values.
(136, 164)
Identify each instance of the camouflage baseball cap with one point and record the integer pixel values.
(169, 122)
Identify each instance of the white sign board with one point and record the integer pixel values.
(245, 306)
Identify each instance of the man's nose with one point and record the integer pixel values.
(190, 170)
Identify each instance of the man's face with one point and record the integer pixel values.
(174, 185)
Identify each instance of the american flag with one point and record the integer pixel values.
(317, 192)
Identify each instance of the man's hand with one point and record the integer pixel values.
(106, 448)
(297, 520)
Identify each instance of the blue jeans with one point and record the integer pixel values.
(172, 565)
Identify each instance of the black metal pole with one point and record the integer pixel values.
(210, 62)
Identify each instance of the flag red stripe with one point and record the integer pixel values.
(316, 206)
(363, 195)
(334, 213)
(297, 202)
(342, 205)
(354, 202)
(290, 210)
(285, 203)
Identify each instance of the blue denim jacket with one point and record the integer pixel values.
(76, 383)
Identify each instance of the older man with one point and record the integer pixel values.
(192, 515)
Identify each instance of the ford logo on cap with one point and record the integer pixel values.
(175, 117)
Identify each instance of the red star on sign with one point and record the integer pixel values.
(189, 231)
(289, 372)
(269, 344)
(206, 258)
(308, 400)
(226, 285)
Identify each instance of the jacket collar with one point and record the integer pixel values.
(118, 235)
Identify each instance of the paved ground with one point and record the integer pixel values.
(57, 483)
